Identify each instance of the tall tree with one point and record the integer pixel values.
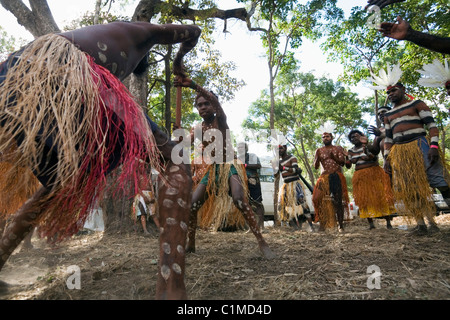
(283, 24)
(357, 47)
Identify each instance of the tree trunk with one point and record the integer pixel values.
(38, 21)
(98, 3)
(306, 163)
(116, 209)
(272, 126)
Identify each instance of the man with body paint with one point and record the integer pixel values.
(223, 175)
(330, 195)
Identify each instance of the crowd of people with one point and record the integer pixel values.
(413, 166)
(407, 142)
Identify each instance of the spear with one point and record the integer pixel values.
(306, 183)
(178, 109)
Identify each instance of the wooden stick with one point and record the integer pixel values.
(178, 109)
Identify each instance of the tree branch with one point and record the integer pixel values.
(38, 21)
(146, 9)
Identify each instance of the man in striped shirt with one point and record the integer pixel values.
(415, 162)
(292, 197)
(252, 167)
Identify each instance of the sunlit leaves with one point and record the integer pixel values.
(8, 44)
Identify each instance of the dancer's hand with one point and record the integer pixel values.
(374, 130)
(395, 30)
(180, 81)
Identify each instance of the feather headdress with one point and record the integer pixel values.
(386, 78)
(435, 74)
(327, 127)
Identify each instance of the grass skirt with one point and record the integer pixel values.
(219, 210)
(15, 188)
(288, 208)
(56, 98)
(372, 192)
(325, 212)
(409, 181)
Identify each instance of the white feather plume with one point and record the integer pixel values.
(386, 78)
(327, 127)
(435, 74)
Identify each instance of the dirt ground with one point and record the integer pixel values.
(229, 266)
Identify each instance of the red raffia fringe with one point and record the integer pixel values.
(119, 121)
(89, 115)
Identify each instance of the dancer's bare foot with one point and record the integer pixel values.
(267, 252)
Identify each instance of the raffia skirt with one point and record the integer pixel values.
(325, 212)
(219, 210)
(410, 182)
(73, 122)
(289, 206)
(372, 192)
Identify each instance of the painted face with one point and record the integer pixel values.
(204, 107)
(327, 138)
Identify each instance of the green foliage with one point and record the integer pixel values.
(203, 63)
(304, 102)
(359, 47)
(293, 20)
(8, 44)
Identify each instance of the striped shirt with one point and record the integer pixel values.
(406, 123)
(291, 170)
(356, 155)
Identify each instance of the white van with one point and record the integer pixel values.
(268, 189)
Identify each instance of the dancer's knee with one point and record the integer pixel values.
(240, 202)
